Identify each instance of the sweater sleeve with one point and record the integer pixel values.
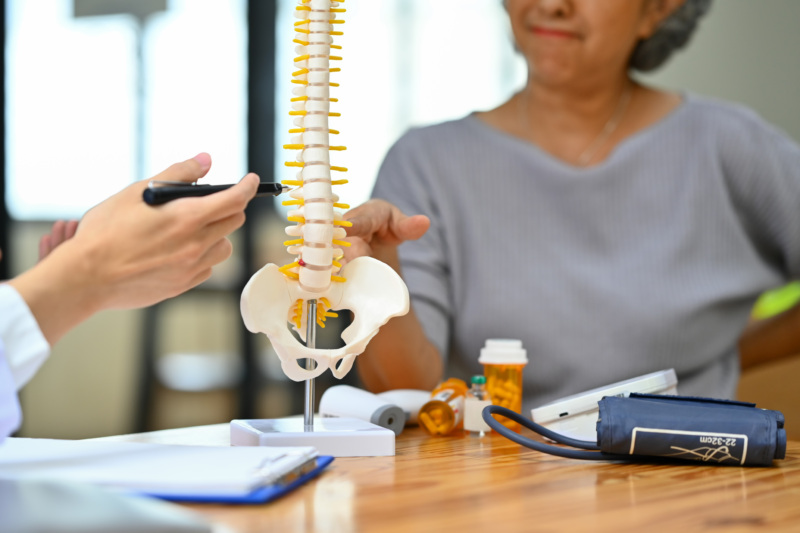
(762, 165)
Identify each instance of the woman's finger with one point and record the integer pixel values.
(45, 245)
(57, 233)
(412, 228)
(70, 229)
(358, 248)
(369, 219)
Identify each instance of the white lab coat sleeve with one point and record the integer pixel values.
(24, 344)
(23, 349)
(10, 412)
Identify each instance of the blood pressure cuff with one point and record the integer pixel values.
(700, 429)
(714, 432)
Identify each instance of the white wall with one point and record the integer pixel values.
(747, 51)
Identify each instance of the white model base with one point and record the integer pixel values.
(339, 437)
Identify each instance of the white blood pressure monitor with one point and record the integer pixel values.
(576, 416)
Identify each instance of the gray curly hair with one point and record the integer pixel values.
(674, 33)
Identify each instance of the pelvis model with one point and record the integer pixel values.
(276, 298)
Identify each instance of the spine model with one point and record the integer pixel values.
(319, 231)
(316, 218)
(278, 297)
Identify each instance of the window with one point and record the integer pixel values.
(405, 63)
(78, 128)
(73, 107)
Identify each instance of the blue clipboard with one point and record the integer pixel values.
(265, 494)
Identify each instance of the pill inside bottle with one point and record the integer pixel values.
(503, 361)
(443, 414)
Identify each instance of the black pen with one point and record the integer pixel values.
(160, 194)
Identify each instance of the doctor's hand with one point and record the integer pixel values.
(140, 254)
(378, 228)
(127, 254)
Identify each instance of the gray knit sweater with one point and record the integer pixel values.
(648, 261)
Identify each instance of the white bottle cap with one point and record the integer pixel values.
(503, 352)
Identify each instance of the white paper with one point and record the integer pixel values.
(162, 469)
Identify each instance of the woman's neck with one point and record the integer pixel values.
(576, 126)
(580, 127)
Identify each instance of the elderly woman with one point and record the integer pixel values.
(616, 229)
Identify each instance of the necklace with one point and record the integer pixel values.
(610, 126)
(608, 129)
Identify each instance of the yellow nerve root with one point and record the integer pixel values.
(323, 313)
(298, 314)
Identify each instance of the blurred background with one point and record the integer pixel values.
(100, 93)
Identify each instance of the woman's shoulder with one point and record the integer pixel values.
(442, 133)
(732, 125)
(721, 113)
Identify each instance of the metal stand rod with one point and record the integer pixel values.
(311, 342)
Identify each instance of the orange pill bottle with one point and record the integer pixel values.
(444, 412)
(503, 361)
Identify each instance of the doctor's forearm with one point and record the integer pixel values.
(60, 292)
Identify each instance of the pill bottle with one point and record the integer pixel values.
(476, 400)
(409, 400)
(503, 361)
(444, 412)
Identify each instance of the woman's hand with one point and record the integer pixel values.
(378, 228)
(400, 355)
(60, 232)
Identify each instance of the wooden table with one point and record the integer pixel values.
(455, 484)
